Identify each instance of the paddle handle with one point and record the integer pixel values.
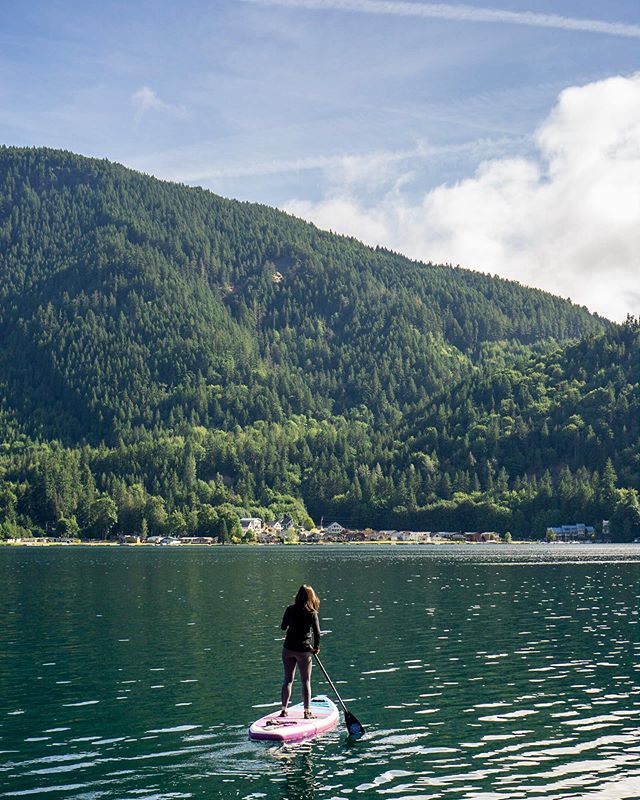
(331, 683)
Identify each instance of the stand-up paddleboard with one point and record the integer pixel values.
(294, 727)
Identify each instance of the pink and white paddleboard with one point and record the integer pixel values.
(294, 727)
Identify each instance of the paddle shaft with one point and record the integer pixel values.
(354, 726)
(331, 683)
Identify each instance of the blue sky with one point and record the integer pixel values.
(451, 132)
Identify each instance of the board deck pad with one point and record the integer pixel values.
(294, 727)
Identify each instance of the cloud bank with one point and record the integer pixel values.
(460, 13)
(566, 219)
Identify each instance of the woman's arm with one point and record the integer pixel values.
(316, 633)
(285, 619)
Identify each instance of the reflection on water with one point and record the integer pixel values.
(480, 673)
(298, 769)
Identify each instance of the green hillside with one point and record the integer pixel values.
(169, 352)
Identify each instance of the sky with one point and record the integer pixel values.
(504, 137)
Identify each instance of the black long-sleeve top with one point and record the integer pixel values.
(303, 629)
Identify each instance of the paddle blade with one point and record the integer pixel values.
(353, 725)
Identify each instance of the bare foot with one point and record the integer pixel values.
(284, 713)
(308, 714)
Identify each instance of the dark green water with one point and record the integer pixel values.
(479, 672)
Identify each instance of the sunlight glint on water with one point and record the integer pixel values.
(484, 673)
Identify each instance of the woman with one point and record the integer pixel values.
(300, 621)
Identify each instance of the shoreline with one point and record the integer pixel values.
(385, 542)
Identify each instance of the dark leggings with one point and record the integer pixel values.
(292, 659)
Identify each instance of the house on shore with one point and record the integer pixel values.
(414, 537)
(313, 537)
(273, 526)
(199, 540)
(334, 528)
(253, 524)
(268, 536)
(484, 536)
(450, 536)
(382, 536)
(571, 533)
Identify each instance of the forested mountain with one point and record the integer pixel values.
(171, 359)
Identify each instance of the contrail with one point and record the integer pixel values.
(339, 161)
(462, 13)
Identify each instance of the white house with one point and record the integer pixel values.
(417, 537)
(335, 527)
(274, 526)
(251, 524)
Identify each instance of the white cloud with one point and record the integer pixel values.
(460, 13)
(146, 99)
(566, 219)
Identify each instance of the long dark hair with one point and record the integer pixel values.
(307, 598)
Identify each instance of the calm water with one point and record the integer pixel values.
(479, 672)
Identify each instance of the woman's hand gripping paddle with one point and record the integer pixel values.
(354, 727)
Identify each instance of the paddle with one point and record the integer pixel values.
(353, 725)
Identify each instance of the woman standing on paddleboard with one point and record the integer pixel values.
(300, 621)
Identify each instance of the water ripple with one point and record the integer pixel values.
(502, 674)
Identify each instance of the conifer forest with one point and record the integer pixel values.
(171, 361)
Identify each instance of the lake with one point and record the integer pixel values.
(480, 672)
